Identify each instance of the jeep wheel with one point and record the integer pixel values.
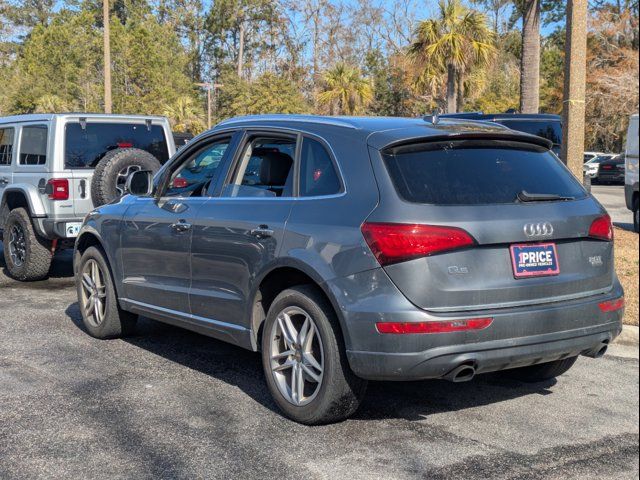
(112, 171)
(27, 256)
(101, 314)
(636, 220)
(304, 359)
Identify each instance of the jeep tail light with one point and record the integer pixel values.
(612, 305)
(437, 326)
(601, 228)
(58, 189)
(398, 242)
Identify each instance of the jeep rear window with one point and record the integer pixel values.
(85, 147)
(477, 173)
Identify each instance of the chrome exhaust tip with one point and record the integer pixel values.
(597, 352)
(462, 373)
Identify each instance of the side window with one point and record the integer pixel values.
(192, 178)
(318, 174)
(33, 145)
(265, 169)
(6, 145)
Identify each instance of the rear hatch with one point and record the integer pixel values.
(87, 140)
(488, 202)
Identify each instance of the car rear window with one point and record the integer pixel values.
(477, 173)
(84, 147)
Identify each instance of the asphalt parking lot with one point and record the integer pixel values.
(612, 198)
(168, 403)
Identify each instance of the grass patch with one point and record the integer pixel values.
(626, 246)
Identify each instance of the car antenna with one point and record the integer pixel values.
(434, 118)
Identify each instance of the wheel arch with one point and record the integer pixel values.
(90, 237)
(285, 274)
(25, 196)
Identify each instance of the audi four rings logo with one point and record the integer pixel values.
(542, 229)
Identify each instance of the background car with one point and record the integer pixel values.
(631, 171)
(590, 168)
(611, 171)
(542, 125)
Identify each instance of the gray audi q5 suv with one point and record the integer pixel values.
(348, 249)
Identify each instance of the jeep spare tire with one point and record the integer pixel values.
(110, 175)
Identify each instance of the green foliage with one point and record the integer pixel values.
(269, 93)
(345, 90)
(63, 60)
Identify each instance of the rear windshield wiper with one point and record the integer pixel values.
(525, 196)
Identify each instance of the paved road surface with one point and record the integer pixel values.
(171, 404)
(612, 198)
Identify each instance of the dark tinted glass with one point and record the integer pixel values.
(318, 175)
(549, 130)
(6, 145)
(33, 145)
(474, 174)
(85, 147)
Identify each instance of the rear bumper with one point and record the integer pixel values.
(484, 356)
(517, 337)
(55, 228)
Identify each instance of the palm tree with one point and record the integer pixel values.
(346, 91)
(185, 115)
(457, 40)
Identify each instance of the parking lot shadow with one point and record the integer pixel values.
(384, 400)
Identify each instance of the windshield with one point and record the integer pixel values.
(84, 147)
(551, 130)
(478, 173)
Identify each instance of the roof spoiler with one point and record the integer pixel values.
(508, 136)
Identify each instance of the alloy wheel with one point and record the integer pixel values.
(94, 293)
(121, 179)
(17, 245)
(297, 356)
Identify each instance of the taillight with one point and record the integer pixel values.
(398, 242)
(58, 189)
(601, 228)
(612, 305)
(437, 326)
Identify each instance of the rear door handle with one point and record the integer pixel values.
(4, 181)
(181, 227)
(263, 231)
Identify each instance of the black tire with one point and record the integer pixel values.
(106, 185)
(34, 258)
(541, 371)
(636, 219)
(340, 391)
(115, 322)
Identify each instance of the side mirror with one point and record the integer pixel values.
(139, 183)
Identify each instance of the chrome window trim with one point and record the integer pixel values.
(312, 135)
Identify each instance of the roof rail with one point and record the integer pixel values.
(290, 118)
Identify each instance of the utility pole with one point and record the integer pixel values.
(575, 80)
(208, 87)
(107, 56)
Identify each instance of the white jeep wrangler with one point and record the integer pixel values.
(56, 168)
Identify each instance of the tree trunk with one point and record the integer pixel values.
(530, 63)
(241, 49)
(451, 89)
(573, 112)
(460, 92)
